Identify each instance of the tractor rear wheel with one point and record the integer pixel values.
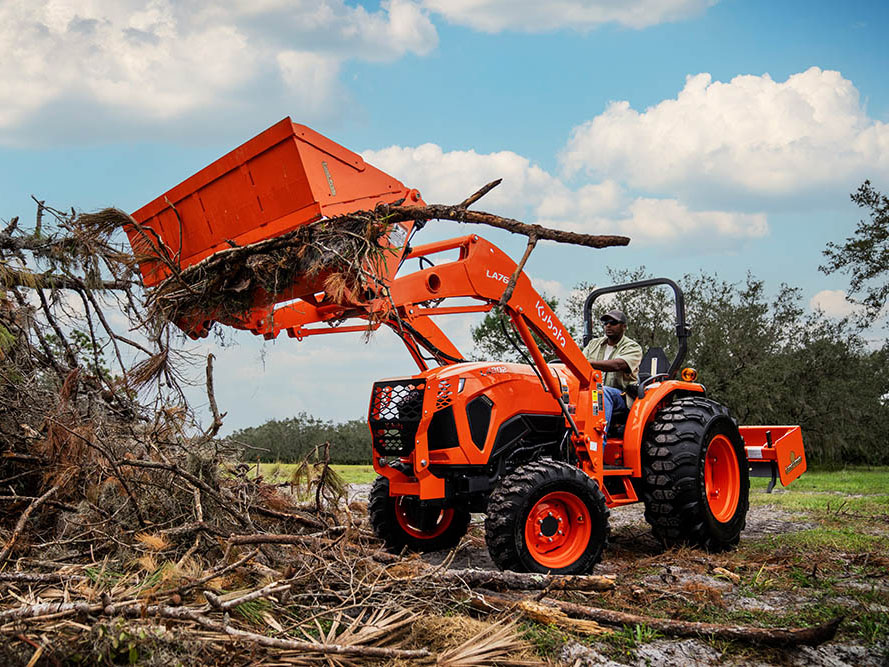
(696, 483)
(547, 516)
(402, 521)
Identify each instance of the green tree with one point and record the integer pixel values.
(86, 352)
(865, 254)
(291, 440)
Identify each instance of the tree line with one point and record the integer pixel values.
(295, 439)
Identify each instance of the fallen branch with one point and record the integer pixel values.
(195, 481)
(47, 608)
(23, 519)
(459, 214)
(289, 516)
(811, 636)
(52, 503)
(10, 277)
(265, 538)
(481, 192)
(217, 418)
(266, 591)
(213, 574)
(197, 615)
(39, 577)
(514, 278)
(546, 615)
(525, 581)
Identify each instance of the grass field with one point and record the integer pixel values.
(352, 474)
(839, 498)
(870, 483)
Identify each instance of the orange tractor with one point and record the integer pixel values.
(522, 443)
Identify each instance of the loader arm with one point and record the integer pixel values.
(481, 272)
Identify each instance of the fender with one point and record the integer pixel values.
(642, 413)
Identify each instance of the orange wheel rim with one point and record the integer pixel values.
(409, 525)
(558, 530)
(722, 478)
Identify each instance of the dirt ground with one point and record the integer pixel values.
(769, 583)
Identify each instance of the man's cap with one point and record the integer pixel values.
(616, 315)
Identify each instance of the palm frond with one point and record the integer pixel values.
(490, 646)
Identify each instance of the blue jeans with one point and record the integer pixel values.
(610, 396)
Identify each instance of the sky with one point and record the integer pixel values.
(722, 136)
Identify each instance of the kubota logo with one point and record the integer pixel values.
(794, 461)
(547, 321)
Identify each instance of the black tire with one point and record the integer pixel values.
(521, 494)
(385, 511)
(674, 489)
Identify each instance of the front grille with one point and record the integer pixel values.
(396, 407)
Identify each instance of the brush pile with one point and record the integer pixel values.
(128, 533)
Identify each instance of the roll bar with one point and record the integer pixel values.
(682, 331)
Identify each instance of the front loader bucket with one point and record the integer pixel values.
(287, 176)
(775, 451)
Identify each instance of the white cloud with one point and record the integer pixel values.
(138, 62)
(304, 70)
(449, 177)
(533, 195)
(647, 220)
(833, 303)
(752, 134)
(580, 15)
(550, 288)
(591, 199)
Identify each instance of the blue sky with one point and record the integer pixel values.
(722, 136)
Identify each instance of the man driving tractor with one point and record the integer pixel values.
(618, 356)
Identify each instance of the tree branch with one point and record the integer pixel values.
(23, 519)
(10, 277)
(811, 636)
(458, 214)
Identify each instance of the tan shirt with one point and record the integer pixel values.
(626, 349)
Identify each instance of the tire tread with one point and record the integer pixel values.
(672, 474)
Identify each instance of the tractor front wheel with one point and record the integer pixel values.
(401, 521)
(547, 516)
(696, 483)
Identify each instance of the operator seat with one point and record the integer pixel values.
(653, 363)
